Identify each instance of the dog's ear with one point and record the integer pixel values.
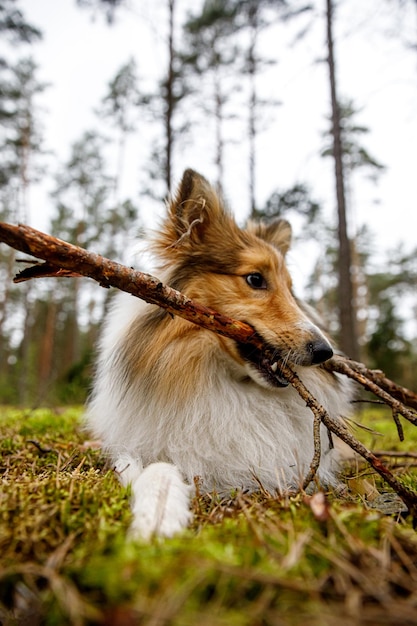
(196, 221)
(278, 233)
(194, 207)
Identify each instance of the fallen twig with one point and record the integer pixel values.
(64, 259)
(367, 378)
(396, 454)
(337, 427)
(314, 465)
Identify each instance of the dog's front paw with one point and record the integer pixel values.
(161, 502)
(127, 469)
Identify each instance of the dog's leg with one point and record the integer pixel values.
(160, 498)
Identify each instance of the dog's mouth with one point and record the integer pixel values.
(267, 368)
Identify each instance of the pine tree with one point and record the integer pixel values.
(354, 158)
(13, 25)
(166, 104)
(81, 195)
(254, 23)
(210, 55)
(120, 106)
(15, 137)
(21, 154)
(223, 46)
(85, 214)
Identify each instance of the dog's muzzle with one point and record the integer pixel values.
(314, 352)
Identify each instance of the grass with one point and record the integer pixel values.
(249, 560)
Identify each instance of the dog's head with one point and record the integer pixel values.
(242, 274)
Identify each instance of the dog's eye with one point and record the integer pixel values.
(256, 281)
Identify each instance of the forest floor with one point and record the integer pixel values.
(254, 560)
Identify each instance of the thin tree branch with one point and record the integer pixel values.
(315, 463)
(366, 378)
(63, 259)
(404, 395)
(340, 430)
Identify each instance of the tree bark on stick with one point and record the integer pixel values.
(66, 260)
(62, 259)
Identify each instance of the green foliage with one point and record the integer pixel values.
(247, 560)
(122, 98)
(21, 164)
(14, 26)
(20, 134)
(107, 6)
(296, 199)
(386, 347)
(389, 348)
(81, 192)
(355, 155)
(72, 387)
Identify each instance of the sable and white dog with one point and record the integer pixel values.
(173, 401)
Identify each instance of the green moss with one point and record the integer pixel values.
(250, 560)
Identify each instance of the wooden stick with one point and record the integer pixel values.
(315, 463)
(60, 255)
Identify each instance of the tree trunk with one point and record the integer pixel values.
(219, 117)
(5, 297)
(347, 317)
(46, 349)
(24, 384)
(252, 68)
(170, 103)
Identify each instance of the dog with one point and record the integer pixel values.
(172, 401)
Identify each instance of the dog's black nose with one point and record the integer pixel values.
(320, 351)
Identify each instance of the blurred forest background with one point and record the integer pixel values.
(214, 59)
